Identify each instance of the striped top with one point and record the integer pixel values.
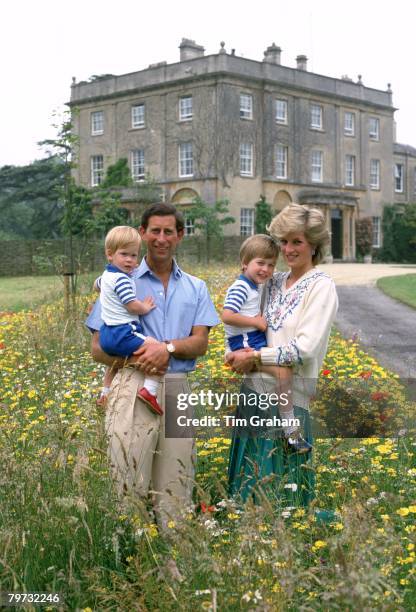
(117, 289)
(243, 297)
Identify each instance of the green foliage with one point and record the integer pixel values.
(399, 233)
(118, 175)
(364, 236)
(263, 216)
(30, 202)
(210, 220)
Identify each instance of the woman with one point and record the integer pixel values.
(300, 306)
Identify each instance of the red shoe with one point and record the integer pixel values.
(150, 399)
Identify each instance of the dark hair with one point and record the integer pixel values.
(163, 210)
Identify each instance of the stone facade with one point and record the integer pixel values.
(222, 126)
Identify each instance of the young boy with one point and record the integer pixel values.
(245, 326)
(122, 334)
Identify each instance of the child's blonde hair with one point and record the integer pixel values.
(259, 245)
(120, 237)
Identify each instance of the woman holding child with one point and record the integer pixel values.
(299, 307)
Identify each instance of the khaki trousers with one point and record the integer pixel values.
(142, 459)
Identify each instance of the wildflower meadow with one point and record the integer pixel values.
(63, 530)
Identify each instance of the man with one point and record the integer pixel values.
(141, 455)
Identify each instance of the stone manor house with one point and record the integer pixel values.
(227, 127)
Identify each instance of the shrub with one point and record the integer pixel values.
(364, 236)
(399, 233)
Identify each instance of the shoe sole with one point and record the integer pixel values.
(149, 405)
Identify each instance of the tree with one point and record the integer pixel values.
(364, 236)
(210, 220)
(263, 215)
(30, 204)
(399, 233)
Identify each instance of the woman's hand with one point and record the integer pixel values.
(241, 361)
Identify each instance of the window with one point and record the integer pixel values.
(376, 231)
(137, 116)
(137, 165)
(317, 166)
(97, 123)
(281, 162)
(246, 106)
(374, 174)
(349, 124)
(374, 128)
(398, 178)
(246, 221)
(189, 226)
(186, 159)
(316, 116)
(97, 170)
(185, 108)
(281, 111)
(246, 159)
(349, 170)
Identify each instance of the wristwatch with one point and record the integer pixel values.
(170, 348)
(257, 357)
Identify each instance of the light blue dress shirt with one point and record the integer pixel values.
(186, 303)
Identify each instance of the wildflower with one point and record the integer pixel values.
(403, 511)
(318, 544)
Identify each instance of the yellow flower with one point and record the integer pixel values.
(403, 511)
(318, 544)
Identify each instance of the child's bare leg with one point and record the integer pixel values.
(105, 390)
(283, 378)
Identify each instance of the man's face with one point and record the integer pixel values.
(161, 238)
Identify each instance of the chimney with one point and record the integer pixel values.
(301, 62)
(189, 49)
(272, 54)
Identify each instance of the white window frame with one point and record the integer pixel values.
(185, 108)
(186, 159)
(246, 159)
(97, 123)
(398, 178)
(349, 123)
(138, 116)
(137, 165)
(189, 226)
(317, 166)
(246, 221)
(374, 174)
(316, 116)
(376, 232)
(97, 170)
(281, 155)
(349, 170)
(281, 111)
(374, 128)
(246, 106)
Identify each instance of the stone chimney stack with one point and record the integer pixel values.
(189, 50)
(301, 62)
(272, 54)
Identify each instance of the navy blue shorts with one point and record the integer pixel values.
(254, 339)
(121, 340)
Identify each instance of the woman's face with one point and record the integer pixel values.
(297, 252)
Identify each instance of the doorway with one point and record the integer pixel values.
(336, 233)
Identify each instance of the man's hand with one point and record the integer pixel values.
(152, 358)
(241, 361)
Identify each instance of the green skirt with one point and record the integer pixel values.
(261, 467)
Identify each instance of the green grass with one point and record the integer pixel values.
(402, 288)
(26, 292)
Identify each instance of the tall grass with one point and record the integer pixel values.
(62, 528)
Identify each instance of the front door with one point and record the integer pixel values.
(336, 231)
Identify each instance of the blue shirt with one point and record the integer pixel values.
(186, 303)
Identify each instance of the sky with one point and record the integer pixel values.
(44, 44)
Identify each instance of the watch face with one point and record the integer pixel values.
(170, 347)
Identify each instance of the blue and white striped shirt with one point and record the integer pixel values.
(243, 297)
(117, 289)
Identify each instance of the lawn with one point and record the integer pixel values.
(402, 288)
(62, 529)
(27, 292)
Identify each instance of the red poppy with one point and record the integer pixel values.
(326, 372)
(366, 374)
(2, 345)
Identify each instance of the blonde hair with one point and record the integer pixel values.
(259, 245)
(309, 221)
(120, 237)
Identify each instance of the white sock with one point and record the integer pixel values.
(287, 413)
(152, 384)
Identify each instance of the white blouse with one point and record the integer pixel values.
(299, 323)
